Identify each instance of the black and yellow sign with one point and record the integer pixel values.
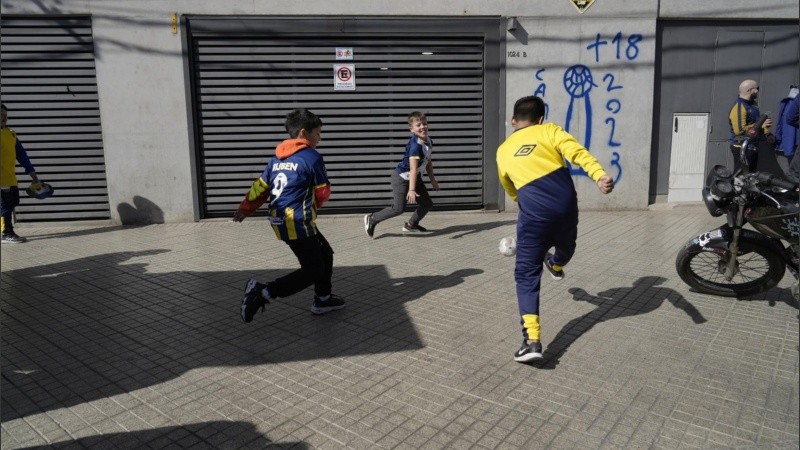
(582, 5)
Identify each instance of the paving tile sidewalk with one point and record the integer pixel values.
(119, 337)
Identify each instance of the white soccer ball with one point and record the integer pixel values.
(508, 246)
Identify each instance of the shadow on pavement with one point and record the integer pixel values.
(95, 327)
(458, 231)
(773, 296)
(143, 212)
(643, 297)
(210, 435)
(83, 232)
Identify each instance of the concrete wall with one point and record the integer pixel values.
(141, 78)
(597, 79)
(143, 110)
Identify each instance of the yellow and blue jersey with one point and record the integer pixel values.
(291, 181)
(416, 148)
(531, 167)
(743, 115)
(11, 151)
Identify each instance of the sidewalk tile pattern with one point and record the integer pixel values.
(117, 337)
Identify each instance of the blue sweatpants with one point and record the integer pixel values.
(534, 239)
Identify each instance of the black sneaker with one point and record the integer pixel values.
(556, 271)
(528, 353)
(12, 238)
(414, 228)
(331, 304)
(369, 227)
(252, 299)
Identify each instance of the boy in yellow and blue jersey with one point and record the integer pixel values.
(294, 184)
(531, 167)
(11, 151)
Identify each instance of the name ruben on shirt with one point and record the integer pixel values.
(285, 166)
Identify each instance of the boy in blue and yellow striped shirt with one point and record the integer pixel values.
(295, 184)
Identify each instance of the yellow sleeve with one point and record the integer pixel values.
(577, 154)
(256, 196)
(738, 119)
(257, 189)
(507, 184)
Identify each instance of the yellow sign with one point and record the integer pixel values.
(582, 5)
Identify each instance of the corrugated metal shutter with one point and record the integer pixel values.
(244, 85)
(48, 84)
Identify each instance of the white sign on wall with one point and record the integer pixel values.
(344, 53)
(344, 77)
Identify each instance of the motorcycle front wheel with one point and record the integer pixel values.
(759, 269)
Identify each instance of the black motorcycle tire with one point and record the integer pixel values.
(701, 269)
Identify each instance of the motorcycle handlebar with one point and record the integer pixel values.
(768, 179)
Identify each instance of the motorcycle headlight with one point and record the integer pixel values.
(718, 190)
(714, 208)
(722, 189)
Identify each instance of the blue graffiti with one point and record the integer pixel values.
(541, 91)
(632, 50)
(615, 162)
(611, 86)
(613, 105)
(596, 47)
(613, 123)
(578, 83)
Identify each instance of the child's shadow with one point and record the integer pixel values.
(457, 231)
(642, 298)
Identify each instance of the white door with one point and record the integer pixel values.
(688, 157)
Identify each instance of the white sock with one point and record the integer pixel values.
(324, 298)
(265, 294)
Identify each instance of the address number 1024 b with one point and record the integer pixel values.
(517, 54)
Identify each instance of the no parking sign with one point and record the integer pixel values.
(344, 77)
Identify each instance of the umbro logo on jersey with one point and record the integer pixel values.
(525, 150)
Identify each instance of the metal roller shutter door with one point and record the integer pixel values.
(245, 81)
(48, 84)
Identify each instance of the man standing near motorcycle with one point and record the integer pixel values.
(743, 115)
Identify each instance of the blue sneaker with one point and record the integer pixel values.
(252, 299)
(323, 306)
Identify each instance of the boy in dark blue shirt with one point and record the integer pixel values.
(407, 184)
(295, 184)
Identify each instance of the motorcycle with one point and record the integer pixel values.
(732, 261)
